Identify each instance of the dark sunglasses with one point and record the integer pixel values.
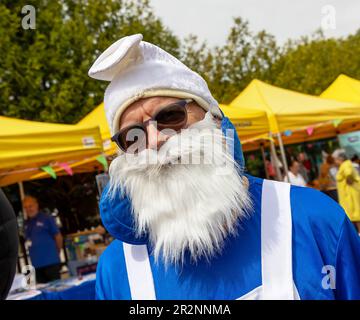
(173, 117)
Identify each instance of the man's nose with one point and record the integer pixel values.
(155, 138)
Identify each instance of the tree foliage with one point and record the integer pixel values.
(311, 64)
(228, 69)
(308, 64)
(43, 72)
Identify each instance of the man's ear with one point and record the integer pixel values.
(217, 120)
(217, 115)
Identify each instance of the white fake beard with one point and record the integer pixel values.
(184, 207)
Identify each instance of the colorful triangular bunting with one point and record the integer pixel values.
(49, 170)
(102, 159)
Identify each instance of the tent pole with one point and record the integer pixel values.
(274, 158)
(21, 238)
(283, 156)
(264, 160)
(22, 196)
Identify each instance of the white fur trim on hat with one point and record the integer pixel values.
(138, 69)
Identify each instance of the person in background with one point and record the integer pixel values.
(44, 241)
(294, 174)
(327, 178)
(348, 185)
(304, 166)
(270, 169)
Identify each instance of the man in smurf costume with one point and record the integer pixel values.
(187, 228)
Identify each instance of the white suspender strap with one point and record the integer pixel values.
(276, 241)
(139, 273)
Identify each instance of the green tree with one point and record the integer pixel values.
(310, 64)
(230, 68)
(43, 72)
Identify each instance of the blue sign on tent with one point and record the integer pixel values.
(351, 143)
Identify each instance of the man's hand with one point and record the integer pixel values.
(349, 180)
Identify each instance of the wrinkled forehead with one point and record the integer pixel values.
(146, 106)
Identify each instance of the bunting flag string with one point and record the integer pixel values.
(337, 122)
(66, 167)
(102, 159)
(49, 170)
(310, 130)
(269, 138)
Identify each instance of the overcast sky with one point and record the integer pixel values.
(210, 20)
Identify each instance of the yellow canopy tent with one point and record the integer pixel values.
(249, 123)
(343, 88)
(321, 131)
(346, 89)
(96, 117)
(26, 146)
(289, 110)
(88, 163)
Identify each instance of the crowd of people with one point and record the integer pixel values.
(338, 177)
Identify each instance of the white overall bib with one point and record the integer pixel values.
(276, 252)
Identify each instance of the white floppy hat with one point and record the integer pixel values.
(338, 153)
(138, 69)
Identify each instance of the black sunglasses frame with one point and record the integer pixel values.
(116, 137)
